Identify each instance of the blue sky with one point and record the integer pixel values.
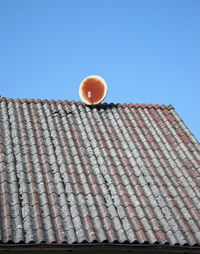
(148, 51)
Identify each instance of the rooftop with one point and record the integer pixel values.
(112, 173)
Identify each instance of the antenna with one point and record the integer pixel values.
(93, 90)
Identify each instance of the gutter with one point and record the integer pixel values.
(102, 246)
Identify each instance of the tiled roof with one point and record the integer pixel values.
(70, 173)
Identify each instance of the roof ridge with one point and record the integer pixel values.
(105, 104)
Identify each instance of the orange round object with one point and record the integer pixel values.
(93, 90)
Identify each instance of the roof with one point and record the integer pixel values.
(113, 173)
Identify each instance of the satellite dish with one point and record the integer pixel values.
(93, 90)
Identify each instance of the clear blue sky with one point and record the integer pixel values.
(148, 51)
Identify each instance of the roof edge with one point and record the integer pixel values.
(103, 246)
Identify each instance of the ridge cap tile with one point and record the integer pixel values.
(45, 101)
(17, 100)
(137, 105)
(156, 106)
(57, 101)
(31, 100)
(2, 99)
(130, 105)
(10, 100)
(51, 102)
(38, 101)
(143, 105)
(24, 100)
(150, 105)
